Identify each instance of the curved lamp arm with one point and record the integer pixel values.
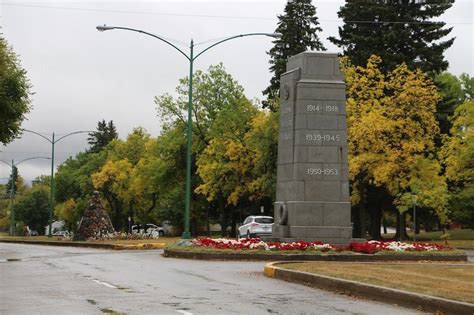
(106, 28)
(33, 158)
(7, 163)
(73, 133)
(37, 133)
(275, 35)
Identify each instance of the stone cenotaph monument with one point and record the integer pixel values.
(312, 194)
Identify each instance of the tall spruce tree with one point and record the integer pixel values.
(105, 133)
(298, 27)
(12, 179)
(396, 30)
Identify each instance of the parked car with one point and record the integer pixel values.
(148, 229)
(61, 233)
(256, 226)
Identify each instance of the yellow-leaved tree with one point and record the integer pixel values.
(391, 129)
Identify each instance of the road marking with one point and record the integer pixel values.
(105, 283)
(184, 312)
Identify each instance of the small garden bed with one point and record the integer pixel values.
(256, 249)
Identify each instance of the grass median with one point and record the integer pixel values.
(453, 281)
(162, 241)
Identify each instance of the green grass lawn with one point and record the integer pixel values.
(447, 280)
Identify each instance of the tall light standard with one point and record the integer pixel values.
(53, 141)
(191, 57)
(12, 189)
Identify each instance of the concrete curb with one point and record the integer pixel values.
(369, 291)
(308, 257)
(141, 246)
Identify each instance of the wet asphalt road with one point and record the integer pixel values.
(61, 280)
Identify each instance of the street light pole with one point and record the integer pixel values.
(191, 57)
(12, 190)
(53, 141)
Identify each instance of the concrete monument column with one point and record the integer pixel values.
(312, 195)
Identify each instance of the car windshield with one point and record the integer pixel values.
(264, 220)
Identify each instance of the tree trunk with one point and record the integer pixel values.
(363, 221)
(208, 223)
(401, 234)
(233, 231)
(356, 232)
(220, 203)
(375, 221)
(417, 226)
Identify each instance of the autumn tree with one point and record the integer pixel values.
(215, 93)
(391, 128)
(115, 176)
(74, 185)
(14, 93)
(398, 31)
(299, 28)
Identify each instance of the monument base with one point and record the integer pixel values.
(327, 234)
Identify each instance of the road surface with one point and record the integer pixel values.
(62, 280)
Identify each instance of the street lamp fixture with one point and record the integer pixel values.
(12, 189)
(53, 141)
(191, 58)
(104, 28)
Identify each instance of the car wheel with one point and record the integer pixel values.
(161, 233)
(155, 233)
(248, 234)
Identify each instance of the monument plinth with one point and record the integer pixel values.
(312, 194)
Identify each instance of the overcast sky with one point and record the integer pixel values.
(81, 76)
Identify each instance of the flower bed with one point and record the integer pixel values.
(370, 247)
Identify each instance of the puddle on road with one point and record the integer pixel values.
(12, 259)
(109, 311)
(93, 302)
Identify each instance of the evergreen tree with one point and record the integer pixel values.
(399, 31)
(105, 133)
(13, 179)
(452, 93)
(298, 27)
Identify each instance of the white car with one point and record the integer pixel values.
(256, 226)
(61, 233)
(149, 229)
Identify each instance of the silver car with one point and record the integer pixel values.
(256, 226)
